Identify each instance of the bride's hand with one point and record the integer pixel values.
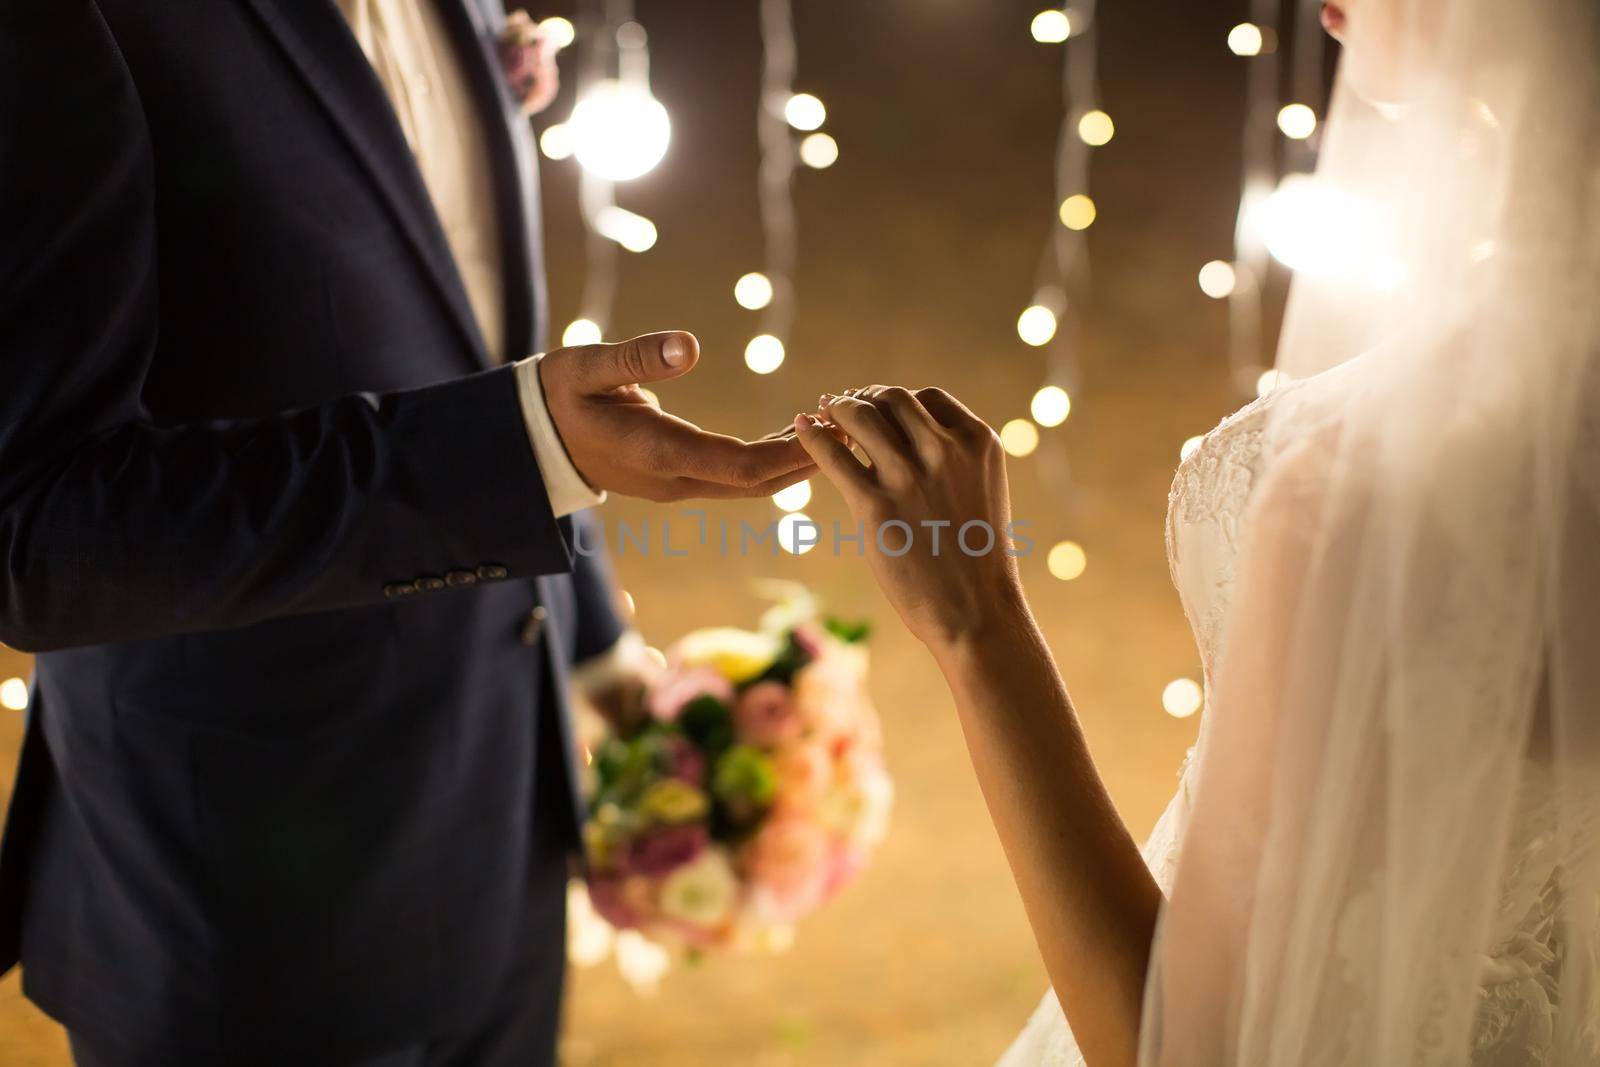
(934, 505)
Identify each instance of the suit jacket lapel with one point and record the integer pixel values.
(476, 27)
(318, 41)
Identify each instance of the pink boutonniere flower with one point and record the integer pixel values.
(528, 58)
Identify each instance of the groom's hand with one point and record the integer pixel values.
(621, 441)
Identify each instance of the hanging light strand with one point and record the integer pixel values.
(775, 114)
(1242, 285)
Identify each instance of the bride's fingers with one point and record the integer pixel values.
(883, 444)
(833, 458)
(912, 419)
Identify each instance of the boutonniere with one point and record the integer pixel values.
(528, 57)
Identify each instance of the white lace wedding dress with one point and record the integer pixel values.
(1518, 978)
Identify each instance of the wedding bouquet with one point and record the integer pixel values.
(745, 790)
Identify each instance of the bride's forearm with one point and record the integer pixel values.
(1090, 898)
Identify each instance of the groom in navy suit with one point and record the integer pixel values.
(287, 513)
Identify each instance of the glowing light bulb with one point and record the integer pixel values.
(580, 332)
(764, 354)
(619, 131)
(1217, 279)
(558, 31)
(1036, 325)
(1182, 697)
(1312, 227)
(819, 151)
(556, 141)
(794, 497)
(14, 694)
(629, 608)
(1066, 560)
(797, 533)
(1077, 212)
(1051, 406)
(633, 232)
(1245, 39)
(1297, 121)
(1189, 447)
(804, 112)
(753, 291)
(1019, 437)
(1051, 26)
(1268, 381)
(1096, 128)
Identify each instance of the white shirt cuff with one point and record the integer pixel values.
(568, 491)
(625, 659)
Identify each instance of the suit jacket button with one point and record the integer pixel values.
(491, 572)
(533, 626)
(429, 583)
(396, 590)
(457, 579)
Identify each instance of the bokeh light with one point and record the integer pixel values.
(558, 31)
(1051, 406)
(1066, 560)
(580, 332)
(1036, 325)
(556, 141)
(819, 151)
(804, 112)
(764, 354)
(1051, 26)
(1182, 697)
(798, 533)
(14, 694)
(1190, 446)
(1268, 381)
(753, 291)
(794, 497)
(1077, 212)
(1297, 121)
(619, 131)
(1245, 39)
(633, 232)
(1019, 437)
(1096, 128)
(1217, 279)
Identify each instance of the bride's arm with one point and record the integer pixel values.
(1090, 899)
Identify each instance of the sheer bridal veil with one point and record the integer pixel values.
(1414, 653)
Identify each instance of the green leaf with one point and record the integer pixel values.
(849, 632)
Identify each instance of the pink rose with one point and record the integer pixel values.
(528, 58)
(663, 850)
(766, 715)
(621, 901)
(847, 862)
(804, 774)
(789, 864)
(678, 689)
(831, 692)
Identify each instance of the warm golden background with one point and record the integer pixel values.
(917, 251)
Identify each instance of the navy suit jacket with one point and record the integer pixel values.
(275, 526)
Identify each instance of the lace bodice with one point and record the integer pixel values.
(1205, 509)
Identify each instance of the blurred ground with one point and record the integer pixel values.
(918, 250)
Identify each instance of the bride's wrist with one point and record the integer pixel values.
(996, 630)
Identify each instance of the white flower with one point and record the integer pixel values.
(737, 655)
(701, 892)
(589, 937)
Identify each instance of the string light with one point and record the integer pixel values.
(1182, 697)
(753, 291)
(819, 151)
(581, 332)
(764, 354)
(804, 112)
(1297, 121)
(1066, 560)
(1051, 406)
(14, 694)
(1036, 325)
(633, 232)
(1217, 279)
(556, 141)
(1096, 128)
(1245, 39)
(794, 497)
(1077, 212)
(619, 131)
(1019, 438)
(1051, 26)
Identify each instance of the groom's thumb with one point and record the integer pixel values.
(647, 358)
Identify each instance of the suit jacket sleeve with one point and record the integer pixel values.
(113, 526)
(599, 626)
